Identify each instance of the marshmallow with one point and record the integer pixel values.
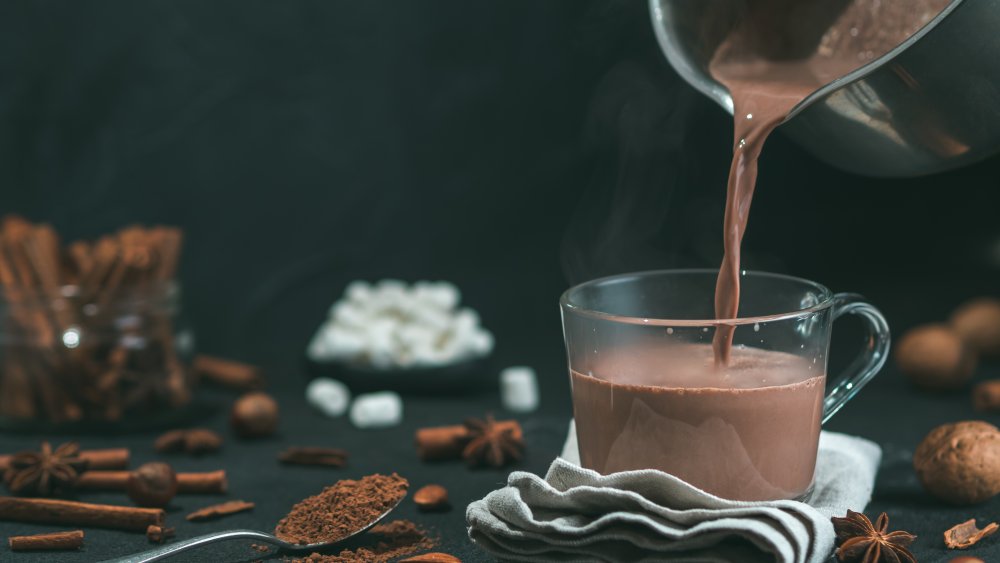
(329, 396)
(416, 336)
(346, 313)
(343, 342)
(465, 321)
(377, 410)
(443, 295)
(317, 349)
(481, 342)
(519, 389)
(358, 292)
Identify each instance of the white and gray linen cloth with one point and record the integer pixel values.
(576, 514)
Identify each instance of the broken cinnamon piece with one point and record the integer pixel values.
(195, 441)
(447, 442)
(219, 510)
(310, 455)
(47, 542)
(159, 534)
(436, 557)
(228, 373)
(966, 534)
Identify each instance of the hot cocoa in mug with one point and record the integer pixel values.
(649, 392)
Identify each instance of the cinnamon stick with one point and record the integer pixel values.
(447, 442)
(228, 373)
(309, 455)
(211, 482)
(51, 511)
(112, 458)
(47, 542)
(220, 510)
(159, 534)
(102, 480)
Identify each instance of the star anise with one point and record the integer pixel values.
(861, 541)
(46, 471)
(491, 444)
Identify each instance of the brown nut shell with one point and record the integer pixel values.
(959, 463)
(254, 415)
(431, 498)
(977, 322)
(934, 357)
(152, 484)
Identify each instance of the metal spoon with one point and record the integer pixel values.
(194, 543)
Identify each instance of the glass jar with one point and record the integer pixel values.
(105, 359)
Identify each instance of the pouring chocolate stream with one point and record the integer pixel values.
(771, 61)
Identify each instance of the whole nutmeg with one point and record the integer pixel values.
(977, 322)
(254, 415)
(934, 357)
(152, 484)
(959, 463)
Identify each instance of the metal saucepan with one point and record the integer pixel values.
(929, 105)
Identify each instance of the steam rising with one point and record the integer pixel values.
(637, 211)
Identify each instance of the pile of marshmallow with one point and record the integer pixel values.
(390, 325)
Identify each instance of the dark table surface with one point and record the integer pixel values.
(304, 144)
(889, 411)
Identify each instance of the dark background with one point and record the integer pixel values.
(511, 147)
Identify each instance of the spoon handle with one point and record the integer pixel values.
(174, 548)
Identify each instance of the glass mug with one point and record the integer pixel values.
(647, 395)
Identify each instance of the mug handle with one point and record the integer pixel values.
(868, 362)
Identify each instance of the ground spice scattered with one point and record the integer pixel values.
(341, 509)
(396, 539)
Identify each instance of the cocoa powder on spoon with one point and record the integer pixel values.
(341, 509)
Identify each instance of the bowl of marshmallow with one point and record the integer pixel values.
(403, 337)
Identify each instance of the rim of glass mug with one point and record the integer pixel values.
(825, 300)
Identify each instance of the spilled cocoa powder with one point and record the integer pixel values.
(396, 539)
(341, 509)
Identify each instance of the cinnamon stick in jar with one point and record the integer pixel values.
(72, 539)
(228, 373)
(447, 442)
(73, 513)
